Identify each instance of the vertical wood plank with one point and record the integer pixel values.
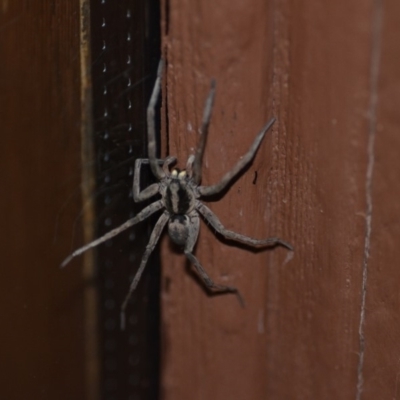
(42, 351)
(309, 64)
(91, 298)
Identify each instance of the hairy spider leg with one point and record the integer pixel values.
(198, 158)
(153, 189)
(189, 165)
(146, 193)
(225, 181)
(167, 162)
(150, 191)
(155, 235)
(188, 250)
(151, 128)
(145, 213)
(237, 237)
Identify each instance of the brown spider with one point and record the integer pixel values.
(180, 192)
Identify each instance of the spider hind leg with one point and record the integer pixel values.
(209, 283)
(188, 250)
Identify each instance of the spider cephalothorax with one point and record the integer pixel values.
(180, 193)
(179, 196)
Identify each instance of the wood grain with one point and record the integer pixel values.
(310, 65)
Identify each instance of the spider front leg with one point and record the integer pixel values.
(242, 163)
(237, 237)
(193, 233)
(153, 189)
(155, 235)
(151, 126)
(197, 160)
(150, 191)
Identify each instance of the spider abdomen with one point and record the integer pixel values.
(179, 198)
(178, 229)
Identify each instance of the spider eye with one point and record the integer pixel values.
(174, 173)
(182, 174)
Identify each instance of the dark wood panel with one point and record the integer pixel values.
(309, 64)
(42, 350)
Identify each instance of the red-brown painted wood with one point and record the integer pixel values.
(312, 65)
(382, 317)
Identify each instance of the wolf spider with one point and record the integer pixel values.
(180, 192)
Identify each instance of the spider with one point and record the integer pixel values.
(180, 192)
